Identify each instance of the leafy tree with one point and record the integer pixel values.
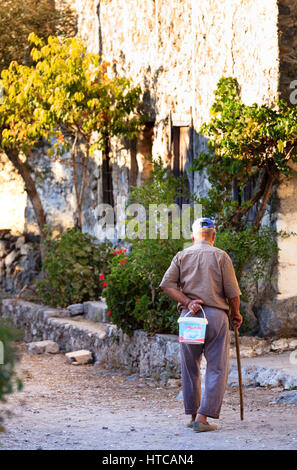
(248, 145)
(83, 103)
(251, 148)
(19, 18)
(20, 128)
(67, 93)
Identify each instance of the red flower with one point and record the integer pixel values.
(101, 276)
(123, 261)
(104, 284)
(137, 300)
(109, 313)
(120, 251)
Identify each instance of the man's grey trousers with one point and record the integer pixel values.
(216, 352)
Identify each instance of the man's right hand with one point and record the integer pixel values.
(236, 320)
(195, 305)
(234, 314)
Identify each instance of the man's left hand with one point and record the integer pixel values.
(195, 305)
(236, 320)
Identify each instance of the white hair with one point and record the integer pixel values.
(197, 230)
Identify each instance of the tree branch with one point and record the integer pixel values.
(73, 154)
(266, 197)
(235, 218)
(30, 189)
(85, 172)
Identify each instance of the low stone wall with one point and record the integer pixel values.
(156, 355)
(148, 355)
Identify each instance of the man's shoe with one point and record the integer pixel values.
(201, 427)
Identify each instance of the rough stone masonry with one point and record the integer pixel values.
(83, 340)
(177, 51)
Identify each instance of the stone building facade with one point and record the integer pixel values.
(177, 51)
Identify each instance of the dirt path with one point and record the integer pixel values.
(85, 407)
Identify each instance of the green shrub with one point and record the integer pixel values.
(124, 285)
(132, 293)
(252, 252)
(8, 377)
(72, 265)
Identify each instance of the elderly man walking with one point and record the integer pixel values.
(204, 275)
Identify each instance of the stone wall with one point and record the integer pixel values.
(141, 352)
(13, 198)
(19, 261)
(177, 51)
(53, 181)
(281, 312)
(157, 356)
(287, 20)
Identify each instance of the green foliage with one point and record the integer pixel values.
(155, 310)
(159, 199)
(250, 149)
(8, 377)
(161, 188)
(245, 142)
(257, 134)
(79, 95)
(68, 94)
(252, 252)
(72, 266)
(132, 293)
(20, 123)
(69, 89)
(124, 285)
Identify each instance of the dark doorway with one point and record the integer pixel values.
(141, 148)
(107, 186)
(180, 154)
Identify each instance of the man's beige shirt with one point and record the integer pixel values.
(204, 272)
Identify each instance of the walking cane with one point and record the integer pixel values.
(239, 371)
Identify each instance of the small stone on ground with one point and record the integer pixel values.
(289, 397)
(40, 347)
(79, 357)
